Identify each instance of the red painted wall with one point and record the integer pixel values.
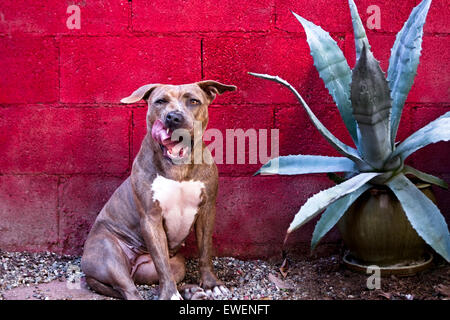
(66, 142)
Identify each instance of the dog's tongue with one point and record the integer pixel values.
(160, 132)
(163, 136)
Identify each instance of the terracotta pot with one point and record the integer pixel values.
(376, 230)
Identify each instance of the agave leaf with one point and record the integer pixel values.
(425, 177)
(333, 69)
(358, 30)
(333, 213)
(302, 164)
(341, 147)
(435, 131)
(318, 202)
(371, 107)
(423, 215)
(404, 60)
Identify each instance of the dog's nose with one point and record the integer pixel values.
(174, 120)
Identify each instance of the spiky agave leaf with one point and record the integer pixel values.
(318, 202)
(341, 147)
(423, 215)
(358, 30)
(425, 177)
(303, 164)
(371, 108)
(333, 213)
(333, 69)
(404, 60)
(435, 131)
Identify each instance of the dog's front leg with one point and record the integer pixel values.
(152, 230)
(156, 240)
(204, 228)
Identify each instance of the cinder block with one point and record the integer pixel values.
(229, 60)
(298, 135)
(29, 70)
(432, 82)
(139, 129)
(80, 200)
(437, 19)
(107, 69)
(50, 17)
(197, 16)
(28, 212)
(332, 16)
(64, 141)
(253, 213)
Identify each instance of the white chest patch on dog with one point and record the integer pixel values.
(179, 204)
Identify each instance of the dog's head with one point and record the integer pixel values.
(173, 110)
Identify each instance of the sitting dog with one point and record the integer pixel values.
(137, 234)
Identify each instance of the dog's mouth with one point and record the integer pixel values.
(173, 150)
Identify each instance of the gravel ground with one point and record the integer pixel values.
(307, 278)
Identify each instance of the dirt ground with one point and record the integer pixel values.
(328, 278)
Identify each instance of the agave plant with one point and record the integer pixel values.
(371, 106)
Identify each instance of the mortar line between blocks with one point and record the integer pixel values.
(274, 116)
(274, 17)
(130, 17)
(201, 59)
(58, 212)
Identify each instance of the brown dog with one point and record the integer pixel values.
(137, 234)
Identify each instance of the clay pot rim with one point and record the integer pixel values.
(411, 270)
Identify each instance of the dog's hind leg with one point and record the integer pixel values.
(102, 288)
(145, 270)
(107, 268)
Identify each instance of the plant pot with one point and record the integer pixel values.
(377, 232)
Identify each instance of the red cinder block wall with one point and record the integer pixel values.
(66, 142)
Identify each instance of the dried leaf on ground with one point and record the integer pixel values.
(387, 295)
(278, 282)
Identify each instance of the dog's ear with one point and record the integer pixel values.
(212, 88)
(141, 93)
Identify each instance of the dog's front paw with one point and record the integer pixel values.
(214, 288)
(193, 292)
(218, 292)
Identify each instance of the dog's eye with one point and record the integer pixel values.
(161, 101)
(195, 102)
